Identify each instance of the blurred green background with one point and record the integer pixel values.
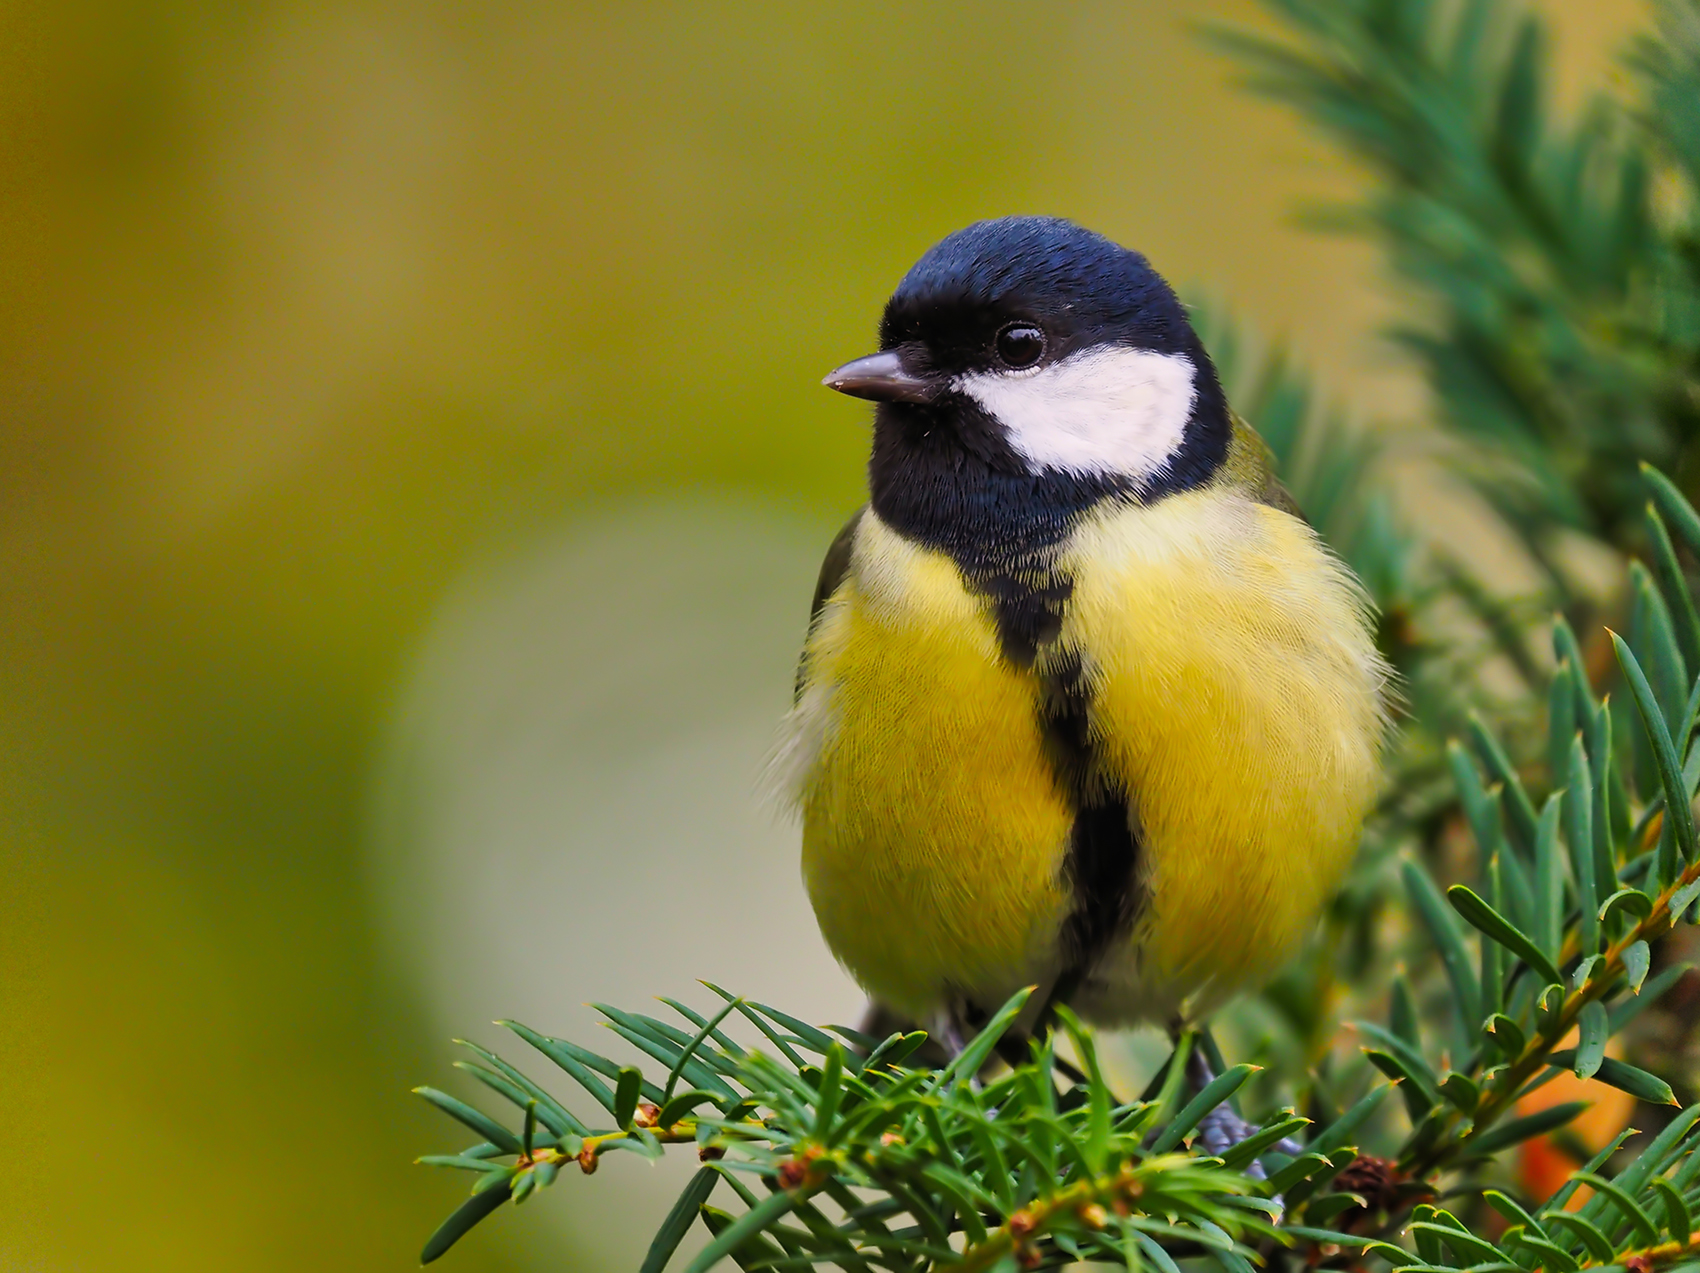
(412, 473)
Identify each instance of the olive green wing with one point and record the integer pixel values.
(1251, 467)
(836, 565)
(832, 572)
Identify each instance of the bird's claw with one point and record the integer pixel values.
(1221, 1129)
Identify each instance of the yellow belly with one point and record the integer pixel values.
(933, 828)
(1236, 697)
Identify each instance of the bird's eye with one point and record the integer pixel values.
(1020, 345)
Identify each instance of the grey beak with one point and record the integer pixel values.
(881, 378)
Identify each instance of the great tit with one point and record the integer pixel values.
(1084, 703)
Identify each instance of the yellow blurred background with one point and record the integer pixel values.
(412, 472)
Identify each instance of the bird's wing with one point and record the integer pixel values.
(836, 565)
(1251, 467)
(832, 571)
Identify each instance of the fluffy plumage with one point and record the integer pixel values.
(1084, 703)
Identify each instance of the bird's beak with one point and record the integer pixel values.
(881, 378)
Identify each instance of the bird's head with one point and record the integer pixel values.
(1030, 348)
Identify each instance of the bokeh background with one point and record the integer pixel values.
(412, 474)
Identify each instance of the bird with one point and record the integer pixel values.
(1085, 704)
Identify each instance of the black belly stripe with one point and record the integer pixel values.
(1102, 866)
(1027, 606)
(1103, 853)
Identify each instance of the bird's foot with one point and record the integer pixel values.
(947, 1029)
(1221, 1129)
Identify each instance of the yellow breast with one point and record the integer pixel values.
(1238, 696)
(933, 828)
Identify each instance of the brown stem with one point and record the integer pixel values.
(1033, 1222)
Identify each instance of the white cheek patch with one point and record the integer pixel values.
(1107, 411)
